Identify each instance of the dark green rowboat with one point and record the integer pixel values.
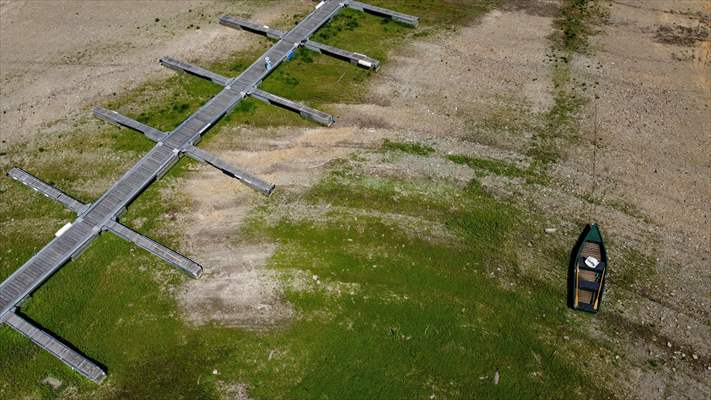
(588, 271)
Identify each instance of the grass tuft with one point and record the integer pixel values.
(532, 175)
(494, 166)
(410, 148)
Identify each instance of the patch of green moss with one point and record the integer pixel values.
(417, 149)
(575, 23)
(533, 174)
(494, 166)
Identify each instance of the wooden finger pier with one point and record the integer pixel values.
(103, 215)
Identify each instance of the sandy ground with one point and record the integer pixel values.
(653, 152)
(652, 142)
(236, 289)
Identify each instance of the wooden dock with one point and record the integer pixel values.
(103, 214)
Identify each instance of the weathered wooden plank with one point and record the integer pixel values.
(182, 66)
(64, 353)
(384, 12)
(172, 257)
(237, 173)
(117, 119)
(46, 189)
(360, 60)
(305, 111)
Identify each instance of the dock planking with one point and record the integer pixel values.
(66, 354)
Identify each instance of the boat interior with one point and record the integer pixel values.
(589, 280)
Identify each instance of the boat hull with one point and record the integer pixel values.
(587, 275)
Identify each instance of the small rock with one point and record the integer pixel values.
(551, 230)
(669, 344)
(566, 338)
(53, 382)
(215, 372)
(694, 356)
